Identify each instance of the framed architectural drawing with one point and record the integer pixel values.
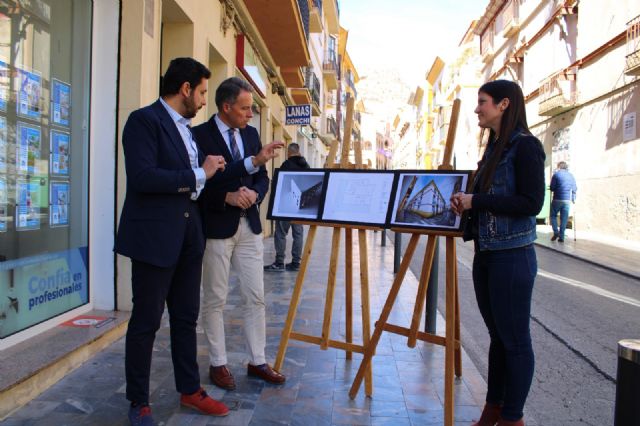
(297, 195)
(358, 197)
(422, 199)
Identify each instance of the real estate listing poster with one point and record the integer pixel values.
(29, 92)
(5, 80)
(28, 145)
(3, 205)
(28, 205)
(60, 102)
(59, 146)
(59, 204)
(3, 144)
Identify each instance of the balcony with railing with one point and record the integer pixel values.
(331, 127)
(510, 22)
(313, 84)
(330, 71)
(632, 65)
(486, 43)
(315, 16)
(558, 93)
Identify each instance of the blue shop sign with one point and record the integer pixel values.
(298, 114)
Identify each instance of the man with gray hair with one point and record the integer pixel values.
(564, 188)
(294, 161)
(231, 218)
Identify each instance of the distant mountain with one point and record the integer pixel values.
(383, 92)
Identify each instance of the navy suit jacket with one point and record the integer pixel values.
(220, 219)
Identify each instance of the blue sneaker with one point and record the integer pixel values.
(140, 415)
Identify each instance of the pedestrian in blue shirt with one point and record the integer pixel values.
(563, 186)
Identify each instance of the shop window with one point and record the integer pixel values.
(44, 127)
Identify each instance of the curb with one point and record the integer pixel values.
(591, 262)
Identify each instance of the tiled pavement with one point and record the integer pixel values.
(408, 383)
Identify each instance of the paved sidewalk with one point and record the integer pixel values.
(611, 256)
(408, 383)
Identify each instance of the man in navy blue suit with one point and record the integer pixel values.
(230, 209)
(161, 231)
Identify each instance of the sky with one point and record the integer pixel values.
(405, 34)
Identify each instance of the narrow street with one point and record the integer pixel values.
(579, 314)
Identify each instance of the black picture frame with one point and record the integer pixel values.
(358, 197)
(421, 199)
(297, 195)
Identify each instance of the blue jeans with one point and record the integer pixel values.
(562, 207)
(280, 241)
(503, 282)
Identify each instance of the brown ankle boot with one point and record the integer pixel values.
(490, 415)
(503, 422)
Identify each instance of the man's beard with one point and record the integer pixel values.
(190, 109)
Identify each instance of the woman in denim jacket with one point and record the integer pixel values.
(507, 194)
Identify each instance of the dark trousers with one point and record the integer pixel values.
(280, 241)
(562, 207)
(179, 287)
(503, 282)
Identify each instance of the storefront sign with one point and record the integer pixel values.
(298, 114)
(39, 288)
(250, 66)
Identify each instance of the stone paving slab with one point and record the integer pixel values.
(408, 382)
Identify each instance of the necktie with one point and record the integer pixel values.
(235, 152)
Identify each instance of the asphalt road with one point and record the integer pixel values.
(579, 314)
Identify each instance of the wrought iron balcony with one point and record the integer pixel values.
(312, 83)
(558, 93)
(632, 65)
(486, 43)
(330, 71)
(331, 126)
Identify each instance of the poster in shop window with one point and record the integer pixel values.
(3, 205)
(3, 144)
(60, 103)
(29, 92)
(4, 85)
(59, 145)
(59, 204)
(28, 205)
(28, 146)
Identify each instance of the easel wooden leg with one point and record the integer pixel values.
(348, 287)
(295, 297)
(364, 297)
(422, 290)
(384, 315)
(458, 360)
(450, 332)
(331, 286)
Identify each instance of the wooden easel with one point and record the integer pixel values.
(325, 341)
(451, 340)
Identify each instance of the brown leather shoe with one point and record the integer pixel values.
(503, 422)
(222, 377)
(266, 373)
(490, 415)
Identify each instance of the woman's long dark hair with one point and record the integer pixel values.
(514, 117)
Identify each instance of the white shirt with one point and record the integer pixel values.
(183, 125)
(224, 129)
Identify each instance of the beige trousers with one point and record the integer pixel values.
(243, 254)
